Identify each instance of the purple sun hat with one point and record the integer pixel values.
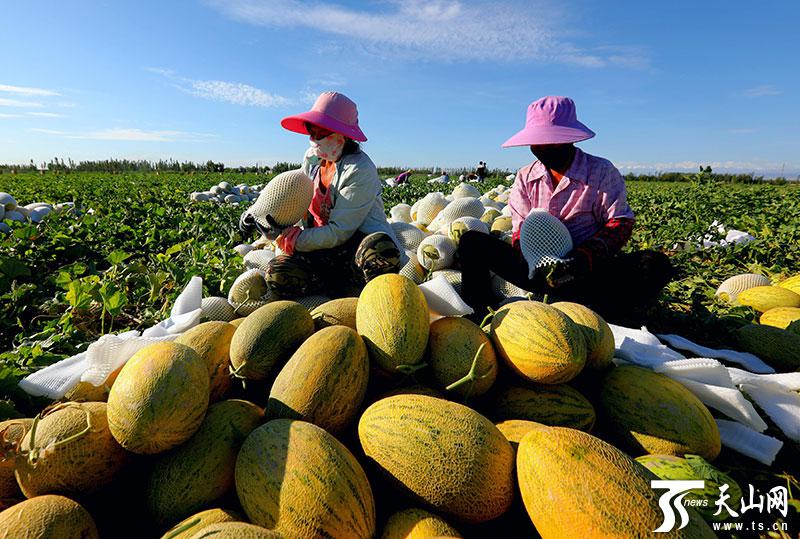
(550, 120)
(331, 110)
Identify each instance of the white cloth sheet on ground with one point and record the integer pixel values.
(109, 352)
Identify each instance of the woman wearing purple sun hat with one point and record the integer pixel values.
(345, 239)
(587, 194)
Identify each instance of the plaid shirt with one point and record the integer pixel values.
(590, 200)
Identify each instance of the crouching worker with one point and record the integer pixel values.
(345, 240)
(587, 194)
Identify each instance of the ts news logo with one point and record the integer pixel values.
(673, 499)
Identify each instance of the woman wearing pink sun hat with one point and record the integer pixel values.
(587, 194)
(345, 240)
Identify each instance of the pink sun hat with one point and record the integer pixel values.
(332, 111)
(550, 120)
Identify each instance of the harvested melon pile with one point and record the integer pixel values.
(10, 210)
(362, 417)
(225, 193)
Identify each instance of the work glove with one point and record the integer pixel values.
(248, 224)
(573, 267)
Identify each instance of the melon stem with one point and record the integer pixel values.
(472, 375)
(488, 317)
(33, 455)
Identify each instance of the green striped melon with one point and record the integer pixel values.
(212, 342)
(194, 523)
(417, 523)
(69, 451)
(576, 485)
(48, 517)
(553, 405)
(236, 530)
(693, 467)
(764, 298)
(268, 337)
(392, 317)
(296, 479)
(324, 382)
(651, 413)
(336, 312)
(780, 348)
(159, 398)
(599, 339)
(454, 345)
(201, 471)
(780, 317)
(539, 342)
(12, 432)
(792, 283)
(444, 454)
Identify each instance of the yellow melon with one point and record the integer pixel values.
(336, 312)
(764, 298)
(416, 523)
(12, 433)
(576, 485)
(212, 342)
(792, 283)
(48, 517)
(69, 451)
(461, 356)
(392, 317)
(159, 399)
(236, 530)
(599, 339)
(539, 342)
(780, 317)
(194, 523)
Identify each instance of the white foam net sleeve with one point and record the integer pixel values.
(543, 239)
(286, 198)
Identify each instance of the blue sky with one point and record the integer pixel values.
(665, 85)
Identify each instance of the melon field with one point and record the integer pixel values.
(448, 444)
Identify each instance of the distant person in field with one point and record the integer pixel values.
(345, 240)
(403, 177)
(587, 194)
(481, 171)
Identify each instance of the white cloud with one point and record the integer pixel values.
(10, 115)
(236, 93)
(45, 114)
(510, 30)
(129, 134)
(217, 90)
(22, 90)
(17, 103)
(762, 91)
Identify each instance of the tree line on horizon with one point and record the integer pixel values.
(116, 166)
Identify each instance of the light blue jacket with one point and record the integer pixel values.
(356, 204)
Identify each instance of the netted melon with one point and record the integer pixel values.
(461, 356)
(392, 317)
(336, 312)
(780, 348)
(236, 530)
(159, 399)
(212, 342)
(552, 405)
(285, 199)
(296, 479)
(70, 451)
(199, 521)
(48, 517)
(12, 432)
(436, 252)
(599, 339)
(417, 523)
(269, 336)
(201, 471)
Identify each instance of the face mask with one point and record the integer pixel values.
(555, 157)
(328, 148)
